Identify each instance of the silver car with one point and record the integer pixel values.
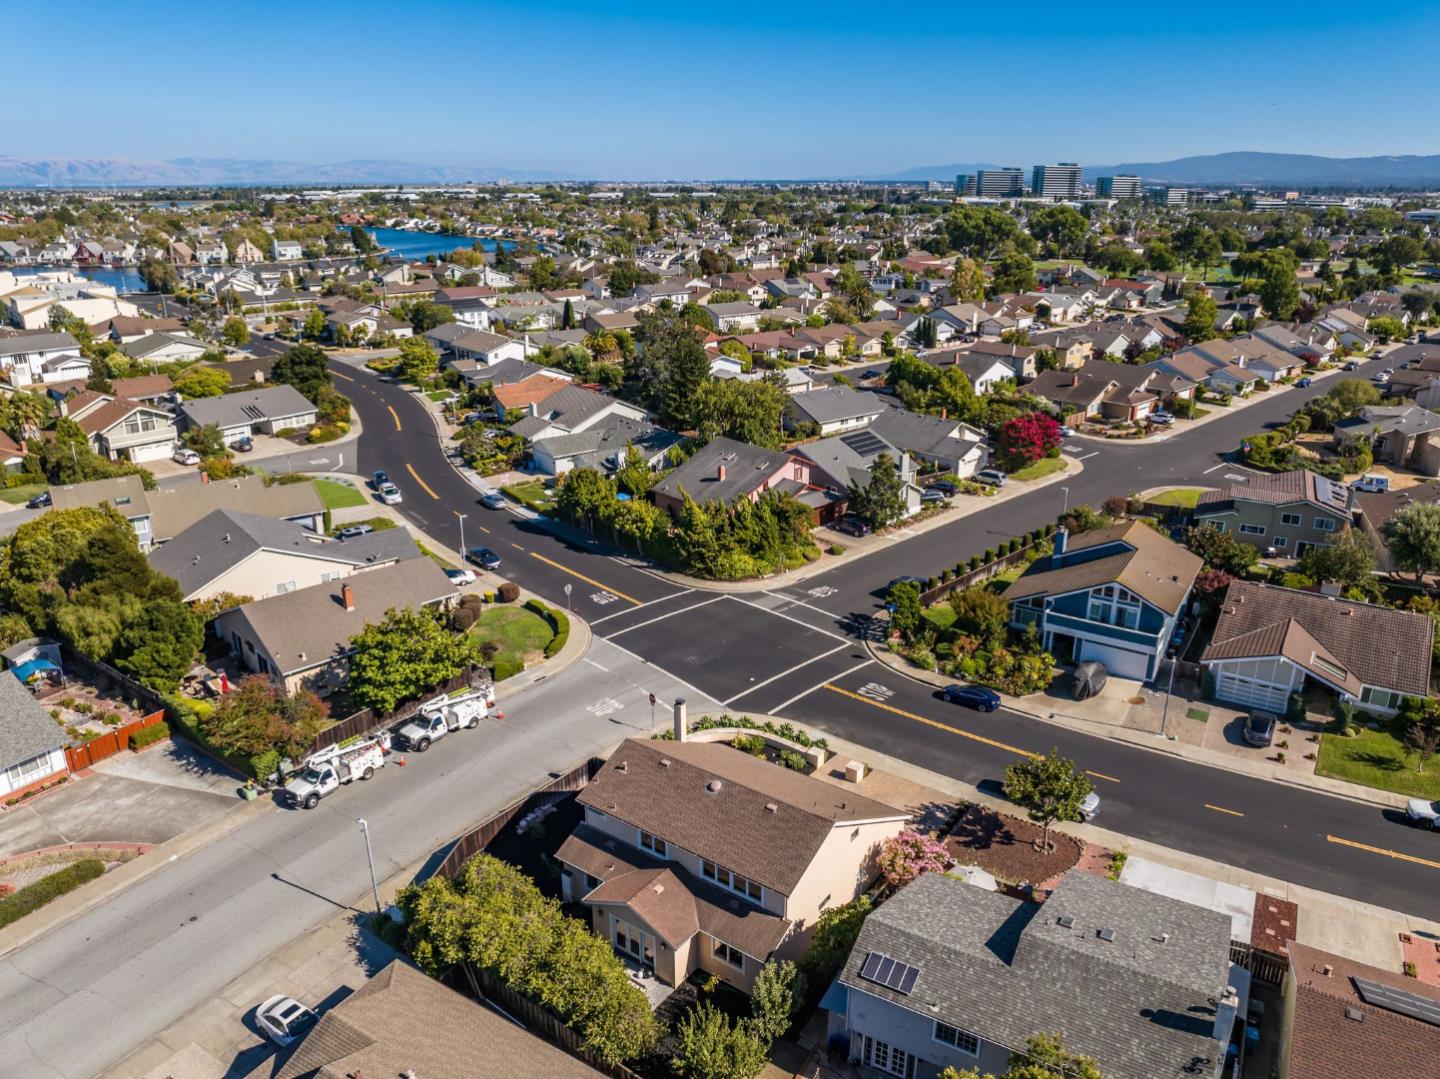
(390, 494)
(284, 1019)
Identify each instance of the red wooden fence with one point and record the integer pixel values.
(109, 743)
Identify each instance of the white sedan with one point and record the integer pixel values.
(185, 457)
(460, 576)
(1423, 813)
(284, 1019)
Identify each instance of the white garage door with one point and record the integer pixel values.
(154, 452)
(1252, 692)
(1120, 662)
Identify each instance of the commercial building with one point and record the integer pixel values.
(965, 184)
(1000, 183)
(1060, 181)
(1118, 187)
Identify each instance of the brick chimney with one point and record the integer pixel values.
(681, 719)
(347, 597)
(720, 473)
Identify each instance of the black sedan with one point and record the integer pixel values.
(484, 557)
(977, 697)
(39, 502)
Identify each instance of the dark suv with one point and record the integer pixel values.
(1260, 728)
(852, 526)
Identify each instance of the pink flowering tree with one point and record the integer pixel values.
(1026, 439)
(909, 854)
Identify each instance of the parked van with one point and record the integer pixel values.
(1370, 483)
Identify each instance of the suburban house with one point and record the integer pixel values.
(1019, 358)
(1226, 378)
(983, 369)
(948, 444)
(23, 358)
(245, 554)
(696, 856)
(1373, 510)
(301, 639)
(458, 1039)
(471, 304)
(1341, 1018)
(164, 513)
(948, 974)
(570, 410)
(833, 409)
(122, 429)
(843, 461)
(1110, 392)
(737, 317)
(725, 471)
(488, 348)
(1291, 511)
(1269, 640)
(164, 348)
(1112, 595)
(286, 250)
(1405, 436)
(12, 454)
(32, 745)
(603, 446)
(250, 412)
(151, 389)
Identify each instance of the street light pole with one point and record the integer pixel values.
(1065, 506)
(1169, 688)
(462, 533)
(370, 857)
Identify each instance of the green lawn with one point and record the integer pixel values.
(1188, 497)
(1377, 759)
(517, 631)
(337, 495)
(533, 494)
(440, 395)
(941, 616)
(19, 495)
(1046, 466)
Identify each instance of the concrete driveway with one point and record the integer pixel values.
(129, 798)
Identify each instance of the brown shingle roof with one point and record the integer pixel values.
(1154, 567)
(1326, 1043)
(1282, 489)
(763, 821)
(1379, 646)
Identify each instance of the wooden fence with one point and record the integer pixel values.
(477, 839)
(1267, 967)
(109, 743)
(975, 576)
(486, 987)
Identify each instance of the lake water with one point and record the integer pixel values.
(416, 245)
(126, 279)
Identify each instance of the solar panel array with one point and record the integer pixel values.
(864, 443)
(891, 973)
(1425, 1009)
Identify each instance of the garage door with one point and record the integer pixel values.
(155, 452)
(1120, 662)
(1251, 692)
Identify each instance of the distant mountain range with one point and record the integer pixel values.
(230, 172)
(1241, 167)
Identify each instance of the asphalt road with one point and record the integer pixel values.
(95, 988)
(790, 651)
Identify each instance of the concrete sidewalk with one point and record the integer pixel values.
(1110, 704)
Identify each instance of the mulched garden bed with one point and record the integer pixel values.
(1005, 847)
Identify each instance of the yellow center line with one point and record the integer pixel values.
(485, 530)
(931, 722)
(337, 374)
(517, 546)
(1382, 850)
(411, 469)
(1222, 809)
(394, 416)
(587, 580)
(1101, 775)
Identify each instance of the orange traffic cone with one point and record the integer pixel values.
(400, 761)
(499, 712)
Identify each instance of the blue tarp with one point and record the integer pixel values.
(32, 667)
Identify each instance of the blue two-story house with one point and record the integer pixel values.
(1112, 595)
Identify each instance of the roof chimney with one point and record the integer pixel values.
(1061, 537)
(720, 473)
(347, 597)
(682, 726)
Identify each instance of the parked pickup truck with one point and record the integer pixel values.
(330, 768)
(441, 715)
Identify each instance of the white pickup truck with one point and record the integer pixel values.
(330, 768)
(441, 715)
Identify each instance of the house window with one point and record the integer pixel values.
(1114, 606)
(28, 771)
(727, 954)
(633, 942)
(729, 879)
(1380, 698)
(654, 844)
(1325, 524)
(332, 575)
(957, 1038)
(1289, 518)
(1252, 530)
(1279, 541)
(284, 586)
(139, 423)
(887, 1058)
(1218, 526)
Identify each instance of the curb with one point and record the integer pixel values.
(1095, 730)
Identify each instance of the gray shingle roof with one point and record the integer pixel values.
(26, 729)
(746, 468)
(250, 406)
(1138, 1004)
(836, 403)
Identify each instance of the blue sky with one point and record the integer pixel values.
(634, 90)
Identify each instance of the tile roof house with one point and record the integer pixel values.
(32, 745)
(301, 639)
(945, 974)
(1342, 1019)
(122, 429)
(401, 1023)
(1112, 595)
(245, 554)
(1269, 640)
(1225, 377)
(695, 855)
(1289, 511)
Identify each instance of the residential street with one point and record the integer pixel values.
(85, 994)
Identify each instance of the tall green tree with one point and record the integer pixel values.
(881, 501)
(405, 654)
(305, 367)
(1048, 788)
(1060, 229)
(1014, 272)
(713, 1046)
(967, 281)
(1200, 317)
(418, 360)
(234, 332)
(1412, 537)
(1279, 290)
(745, 411)
(159, 646)
(1348, 559)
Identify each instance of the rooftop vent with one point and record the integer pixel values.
(771, 807)
(623, 766)
(664, 762)
(714, 786)
(1107, 935)
(1065, 921)
(1161, 938)
(1356, 1014)
(1327, 970)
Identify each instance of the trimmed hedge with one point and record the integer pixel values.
(559, 623)
(148, 736)
(34, 896)
(506, 667)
